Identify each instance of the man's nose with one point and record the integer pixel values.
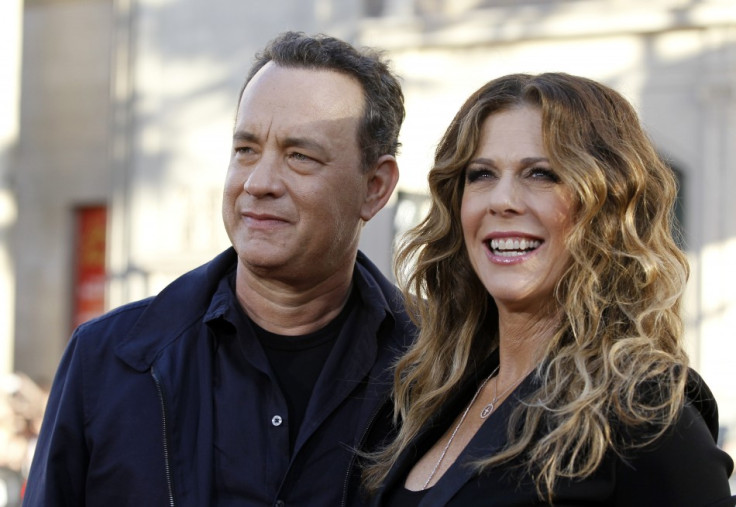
(265, 178)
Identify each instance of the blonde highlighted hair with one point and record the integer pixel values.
(616, 360)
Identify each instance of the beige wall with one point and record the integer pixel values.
(62, 162)
(10, 54)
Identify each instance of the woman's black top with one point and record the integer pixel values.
(683, 468)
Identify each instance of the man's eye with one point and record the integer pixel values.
(299, 156)
(242, 150)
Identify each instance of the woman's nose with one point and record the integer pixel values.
(506, 197)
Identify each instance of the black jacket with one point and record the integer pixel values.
(130, 421)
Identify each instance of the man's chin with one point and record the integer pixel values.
(261, 260)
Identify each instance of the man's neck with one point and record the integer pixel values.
(289, 310)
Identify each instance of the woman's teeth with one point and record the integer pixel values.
(513, 247)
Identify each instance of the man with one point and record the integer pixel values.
(251, 380)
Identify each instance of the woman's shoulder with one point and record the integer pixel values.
(685, 457)
(699, 396)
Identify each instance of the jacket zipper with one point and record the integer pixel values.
(164, 425)
(353, 458)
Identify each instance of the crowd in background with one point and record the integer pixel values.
(22, 404)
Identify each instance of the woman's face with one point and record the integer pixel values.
(515, 212)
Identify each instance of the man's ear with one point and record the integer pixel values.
(381, 181)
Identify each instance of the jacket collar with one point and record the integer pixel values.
(174, 310)
(188, 299)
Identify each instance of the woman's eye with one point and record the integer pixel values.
(477, 173)
(542, 173)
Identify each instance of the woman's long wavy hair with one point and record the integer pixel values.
(616, 362)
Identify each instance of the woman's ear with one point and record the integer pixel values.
(380, 184)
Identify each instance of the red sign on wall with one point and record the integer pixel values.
(89, 260)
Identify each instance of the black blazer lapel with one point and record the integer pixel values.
(489, 440)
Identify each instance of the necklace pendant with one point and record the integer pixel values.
(487, 410)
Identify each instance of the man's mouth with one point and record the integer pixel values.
(512, 247)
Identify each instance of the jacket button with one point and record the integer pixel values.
(279, 503)
(276, 421)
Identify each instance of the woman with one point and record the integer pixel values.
(549, 367)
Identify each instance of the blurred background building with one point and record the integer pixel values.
(116, 118)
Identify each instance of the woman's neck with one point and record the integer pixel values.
(523, 337)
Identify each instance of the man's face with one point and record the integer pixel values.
(294, 189)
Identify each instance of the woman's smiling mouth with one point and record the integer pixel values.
(512, 247)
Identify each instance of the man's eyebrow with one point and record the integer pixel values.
(298, 142)
(303, 142)
(241, 135)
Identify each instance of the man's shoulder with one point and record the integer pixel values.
(189, 288)
(118, 319)
(155, 320)
(375, 280)
(384, 293)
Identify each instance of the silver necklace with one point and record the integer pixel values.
(488, 409)
(457, 427)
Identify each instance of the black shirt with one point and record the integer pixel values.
(297, 362)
